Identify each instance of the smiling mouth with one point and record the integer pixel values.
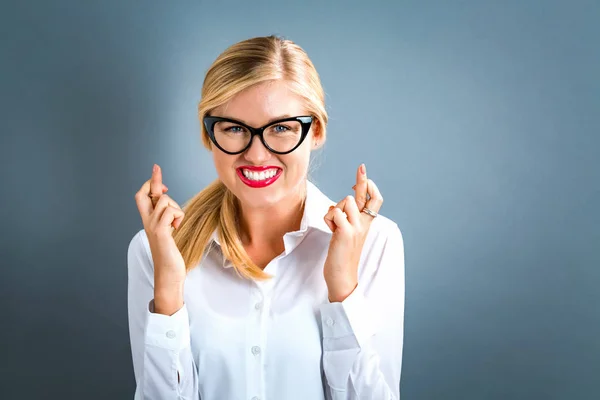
(259, 176)
(259, 179)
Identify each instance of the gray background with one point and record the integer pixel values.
(479, 121)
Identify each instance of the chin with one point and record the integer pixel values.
(260, 198)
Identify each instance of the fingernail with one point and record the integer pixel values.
(331, 208)
(354, 187)
(363, 169)
(154, 168)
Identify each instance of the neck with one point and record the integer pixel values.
(266, 226)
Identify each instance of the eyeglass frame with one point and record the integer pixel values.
(210, 121)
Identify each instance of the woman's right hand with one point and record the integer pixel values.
(160, 214)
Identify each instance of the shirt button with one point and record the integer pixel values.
(329, 321)
(255, 350)
(257, 306)
(255, 398)
(170, 334)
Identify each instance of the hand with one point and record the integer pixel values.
(160, 215)
(350, 227)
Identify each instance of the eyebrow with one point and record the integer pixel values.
(268, 122)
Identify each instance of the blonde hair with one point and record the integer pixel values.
(239, 67)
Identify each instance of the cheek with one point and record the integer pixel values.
(297, 163)
(223, 162)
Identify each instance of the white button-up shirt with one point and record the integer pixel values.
(279, 339)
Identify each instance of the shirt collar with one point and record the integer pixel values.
(315, 207)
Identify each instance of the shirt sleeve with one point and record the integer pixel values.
(160, 344)
(363, 335)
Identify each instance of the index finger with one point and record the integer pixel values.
(144, 202)
(375, 200)
(360, 189)
(156, 181)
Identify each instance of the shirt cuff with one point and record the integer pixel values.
(168, 331)
(350, 319)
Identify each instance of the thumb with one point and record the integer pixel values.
(171, 216)
(329, 219)
(178, 219)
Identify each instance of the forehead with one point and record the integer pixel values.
(259, 104)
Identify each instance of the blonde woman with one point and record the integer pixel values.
(261, 287)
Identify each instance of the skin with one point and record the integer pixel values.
(160, 214)
(350, 227)
(268, 213)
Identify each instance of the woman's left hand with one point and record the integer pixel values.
(350, 227)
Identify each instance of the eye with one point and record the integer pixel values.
(280, 128)
(234, 129)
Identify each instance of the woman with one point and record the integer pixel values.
(261, 287)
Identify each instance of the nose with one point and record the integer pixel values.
(257, 153)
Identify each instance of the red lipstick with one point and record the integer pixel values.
(257, 168)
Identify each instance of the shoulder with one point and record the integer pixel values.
(383, 254)
(138, 252)
(385, 229)
(384, 245)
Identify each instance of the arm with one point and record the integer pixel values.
(160, 344)
(363, 335)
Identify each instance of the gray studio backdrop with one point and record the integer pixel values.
(479, 121)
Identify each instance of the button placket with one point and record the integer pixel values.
(256, 349)
(254, 334)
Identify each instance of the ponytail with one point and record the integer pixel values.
(240, 66)
(214, 208)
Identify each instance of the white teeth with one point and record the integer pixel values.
(259, 176)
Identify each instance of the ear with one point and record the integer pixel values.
(318, 139)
